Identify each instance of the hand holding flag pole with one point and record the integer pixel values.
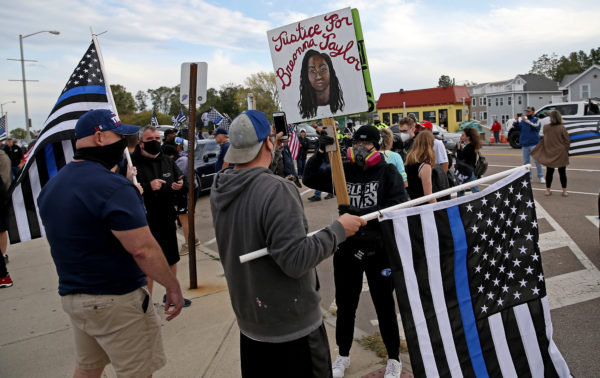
(263, 252)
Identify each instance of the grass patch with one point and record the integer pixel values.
(375, 344)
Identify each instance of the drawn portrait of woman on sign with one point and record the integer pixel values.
(319, 85)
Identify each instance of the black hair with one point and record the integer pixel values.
(308, 98)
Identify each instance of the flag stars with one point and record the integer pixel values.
(502, 215)
(494, 209)
(501, 268)
(496, 229)
(505, 289)
(524, 183)
(498, 249)
(519, 196)
(469, 208)
(523, 216)
(517, 295)
(509, 222)
(490, 296)
(86, 70)
(535, 257)
(506, 255)
(511, 189)
(489, 222)
(503, 235)
(516, 262)
(480, 289)
(513, 210)
(540, 277)
(529, 203)
(496, 282)
(535, 291)
(474, 228)
(476, 249)
(479, 215)
(493, 262)
(517, 229)
(484, 201)
(534, 224)
(478, 268)
(484, 236)
(523, 282)
(484, 308)
(511, 242)
(498, 195)
(491, 242)
(485, 256)
(529, 236)
(510, 275)
(529, 270)
(506, 202)
(523, 249)
(487, 276)
(500, 301)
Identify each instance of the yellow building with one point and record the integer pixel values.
(442, 106)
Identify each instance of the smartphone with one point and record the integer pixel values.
(280, 123)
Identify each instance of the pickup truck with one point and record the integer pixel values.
(568, 110)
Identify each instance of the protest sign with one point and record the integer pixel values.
(318, 67)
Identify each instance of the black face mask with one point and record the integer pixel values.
(109, 155)
(152, 147)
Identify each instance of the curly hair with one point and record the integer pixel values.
(308, 98)
(422, 150)
(474, 136)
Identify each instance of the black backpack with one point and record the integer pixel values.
(439, 181)
(481, 166)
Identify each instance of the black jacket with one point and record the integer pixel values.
(158, 202)
(369, 190)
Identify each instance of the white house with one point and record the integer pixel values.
(583, 86)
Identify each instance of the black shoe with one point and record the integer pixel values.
(6, 259)
(314, 198)
(297, 182)
(329, 196)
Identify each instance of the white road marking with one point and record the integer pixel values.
(594, 219)
(304, 192)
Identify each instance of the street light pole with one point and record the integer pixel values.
(2, 106)
(21, 37)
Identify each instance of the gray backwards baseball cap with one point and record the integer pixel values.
(247, 133)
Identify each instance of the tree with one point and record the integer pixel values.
(160, 99)
(227, 103)
(123, 99)
(546, 65)
(19, 133)
(445, 81)
(557, 68)
(143, 118)
(140, 99)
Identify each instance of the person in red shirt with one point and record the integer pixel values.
(496, 128)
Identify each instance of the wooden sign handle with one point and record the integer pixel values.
(337, 168)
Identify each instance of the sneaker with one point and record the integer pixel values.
(340, 365)
(329, 196)
(197, 242)
(6, 281)
(186, 302)
(542, 180)
(184, 250)
(314, 198)
(6, 259)
(393, 369)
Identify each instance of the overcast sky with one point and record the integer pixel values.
(409, 44)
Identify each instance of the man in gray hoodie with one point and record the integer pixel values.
(275, 298)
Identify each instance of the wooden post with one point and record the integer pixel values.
(337, 167)
(191, 176)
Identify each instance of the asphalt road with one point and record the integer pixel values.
(569, 241)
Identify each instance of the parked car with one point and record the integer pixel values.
(205, 157)
(311, 135)
(449, 139)
(568, 110)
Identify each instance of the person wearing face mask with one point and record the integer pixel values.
(372, 185)
(406, 126)
(103, 249)
(275, 298)
(161, 180)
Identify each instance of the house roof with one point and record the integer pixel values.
(570, 79)
(537, 83)
(424, 97)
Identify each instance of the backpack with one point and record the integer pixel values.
(439, 181)
(481, 165)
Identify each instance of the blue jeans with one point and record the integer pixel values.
(317, 193)
(526, 160)
(496, 136)
(301, 163)
(473, 189)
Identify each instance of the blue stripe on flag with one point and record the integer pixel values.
(463, 293)
(88, 89)
(586, 135)
(50, 161)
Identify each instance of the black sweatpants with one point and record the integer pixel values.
(562, 173)
(302, 358)
(348, 268)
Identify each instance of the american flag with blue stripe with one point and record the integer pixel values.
(470, 285)
(154, 120)
(3, 134)
(584, 134)
(85, 90)
(179, 120)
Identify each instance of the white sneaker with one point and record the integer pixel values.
(393, 369)
(340, 365)
(542, 180)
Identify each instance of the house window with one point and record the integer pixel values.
(473, 101)
(429, 116)
(501, 101)
(496, 101)
(509, 100)
(519, 100)
(481, 101)
(386, 118)
(585, 91)
(458, 115)
(481, 116)
(484, 116)
(489, 102)
(475, 116)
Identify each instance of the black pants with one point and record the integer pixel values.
(302, 358)
(562, 173)
(348, 268)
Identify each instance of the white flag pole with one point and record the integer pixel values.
(263, 252)
(111, 100)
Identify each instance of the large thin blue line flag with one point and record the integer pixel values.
(470, 285)
(584, 135)
(85, 90)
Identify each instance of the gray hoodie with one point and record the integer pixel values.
(275, 298)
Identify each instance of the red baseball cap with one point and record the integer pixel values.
(426, 124)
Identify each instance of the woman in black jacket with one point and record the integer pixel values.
(467, 148)
(372, 185)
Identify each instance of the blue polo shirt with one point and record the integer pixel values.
(221, 157)
(79, 207)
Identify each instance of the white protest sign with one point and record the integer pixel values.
(317, 67)
(201, 74)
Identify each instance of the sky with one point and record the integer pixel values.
(409, 44)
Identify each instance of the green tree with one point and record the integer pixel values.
(160, 99)
(19, 133)
(227, 103)
(546, 65)
(123, 99)
(140, 100)
(556, 68)
(445, 81)
(143, 118)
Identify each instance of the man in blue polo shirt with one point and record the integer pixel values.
(103, 249)
(221, 137)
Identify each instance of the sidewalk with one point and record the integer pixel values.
(203, 341)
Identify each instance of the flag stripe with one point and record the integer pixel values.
(496, 329)
(36, 188)
(515, 344)
(50, 160)
(559, 362)
(586, 135)
(430, 238)
(537, 317)
(420, 263)
(446, 247)
(527, 331)
(463, 293)
(85, 90)
(399, 279)
(30, 209)
(414, 300)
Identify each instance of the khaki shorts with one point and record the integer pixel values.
(115, 329)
